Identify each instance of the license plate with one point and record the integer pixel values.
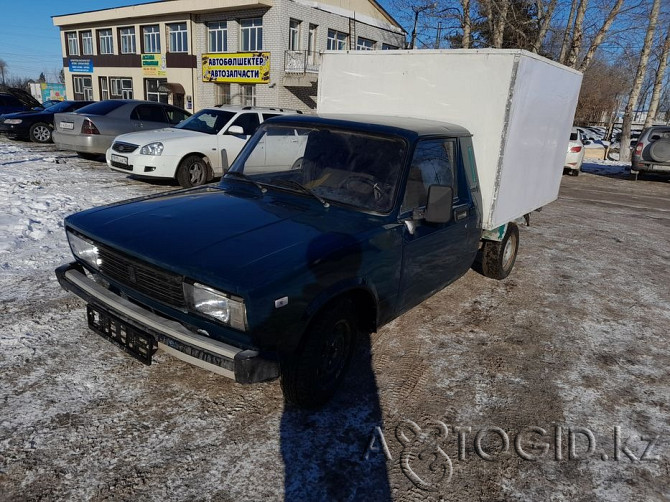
(120, 159)
(67, 125)
(135, 342)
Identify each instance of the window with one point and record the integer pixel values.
(128, 40)
(217, 36)
(86, 43)
(178, 37)
(248, 95)
(294, 35)
(175, 115)
(311, 45)
(153, 93)
(223, 94)
(121, 88)
(432, 164)
(72, 44)
(104, 89)
(247, 121)
(364, 44)
(105, 42)
(252, 34)
(152, 39)
(388, 47)
(83, 87)
(337, 41)
(149, 113)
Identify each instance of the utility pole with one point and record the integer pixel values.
(439, 34)
(417, 11)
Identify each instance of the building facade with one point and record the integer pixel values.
(210, 52)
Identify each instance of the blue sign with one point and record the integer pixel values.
(81, 65)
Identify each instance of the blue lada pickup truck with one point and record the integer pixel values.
(323, 228)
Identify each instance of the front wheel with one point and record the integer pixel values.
(40, 133)
(311, 375)
(192, 171)
(498, 257)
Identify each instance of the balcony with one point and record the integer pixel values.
(301, 62)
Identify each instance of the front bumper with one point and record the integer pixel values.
(244, 366)
(150, 166)
(14, 131)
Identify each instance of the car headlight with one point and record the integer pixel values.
(13, 121)
(84, 249)
(152, 149)
(216, 304)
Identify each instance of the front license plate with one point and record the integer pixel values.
(120, 159)
(135, 342)
(67, 125)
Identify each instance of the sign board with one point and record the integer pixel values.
(239, 67)
(52, 91)
(153, 65)
(80, 65)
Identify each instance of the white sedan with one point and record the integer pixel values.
(575, 155)
(194, 151)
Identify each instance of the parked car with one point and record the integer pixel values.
(575, 155)
(91, 130)
(194, 151)
(652, 151)
(36, 125)
(16, 100)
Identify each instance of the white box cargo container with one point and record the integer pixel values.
(518, 106)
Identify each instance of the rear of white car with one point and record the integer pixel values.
(575, 156)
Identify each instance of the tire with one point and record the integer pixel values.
(498, 257)
(659, 150)
(575, 172)
(89, 156)
(192, 171)
(40, 133)
(311, 375)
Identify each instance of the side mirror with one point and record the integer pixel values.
(235, 130)
(440, 204)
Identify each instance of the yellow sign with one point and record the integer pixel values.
(239, 67)
(153, 65)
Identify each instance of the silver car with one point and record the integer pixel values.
(652, 152)
(91, 130)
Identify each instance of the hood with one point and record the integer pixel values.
(18, 115)
(26, 98)
(224, 239)
(168, 133)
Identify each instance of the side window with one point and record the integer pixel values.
(149, 113)
(269, 115)
(248, 121)
(175, 115)
(432, 164)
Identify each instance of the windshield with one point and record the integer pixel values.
(61, 106)
(207, 121)
(348, 167)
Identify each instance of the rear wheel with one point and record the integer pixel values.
(498, 257)
(40, 133)
(192, 171)
(311, 375)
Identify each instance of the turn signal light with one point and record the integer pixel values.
(638, 148)
(89, 128)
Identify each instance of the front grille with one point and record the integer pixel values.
(127, 167)
(121, 147)
(152, 281)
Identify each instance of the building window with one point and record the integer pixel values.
(152, 86)
(223, 94)
(364, 44)
(106, 42)
(83, 87)
(248, 95)
(217, 36)
(86, 43)
(294, 35)
(121, 88)
(72, 44)
(388, 47)
(337, 41)
(152, 39)
(178, 37)
(311, 45)
(252, 34)
(128, 40)
(104, 89)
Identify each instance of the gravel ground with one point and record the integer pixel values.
(550, 385)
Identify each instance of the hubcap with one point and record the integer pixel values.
(334, 355)
(508, 252)
(197, 174)
(42, 133)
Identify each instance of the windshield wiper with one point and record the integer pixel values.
(246, 178)
(302, 188)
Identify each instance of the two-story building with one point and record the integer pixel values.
(210, 52)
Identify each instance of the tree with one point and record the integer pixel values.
(624, 151)
(3, 65)
(543, 20)
(42, 78)
(658, 81)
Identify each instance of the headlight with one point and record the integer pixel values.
(13, 121)
(217, 305)
(84, 249)
(152, 149)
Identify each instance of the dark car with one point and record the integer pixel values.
(36, 125)
(652, 151)
(17, 100)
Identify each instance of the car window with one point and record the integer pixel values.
(175, 115)
(247, 121)
(207, 121)
(269, 115)
(149, 113)
(101, 108)
(432, 164)
(574, 136)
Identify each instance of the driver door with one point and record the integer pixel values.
(230, 145)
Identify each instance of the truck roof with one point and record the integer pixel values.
(404, 126)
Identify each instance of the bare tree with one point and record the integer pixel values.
(466, 24)
(3, 65)
(624, 151)
(600, 36)
(496, 17)
(658, 82)
(543, 19)
(567, 34)
(577, 35)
